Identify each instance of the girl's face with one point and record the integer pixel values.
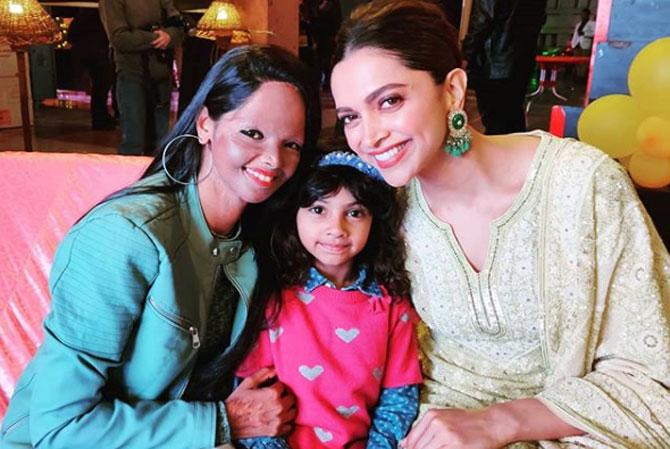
(394, 118)
(334, 229)
(255, 148)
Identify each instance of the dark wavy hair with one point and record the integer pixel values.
(416, 31)
(228, 84)
(384, 253)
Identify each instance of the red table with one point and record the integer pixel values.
(553, 64)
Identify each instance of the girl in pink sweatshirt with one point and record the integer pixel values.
(341, 336)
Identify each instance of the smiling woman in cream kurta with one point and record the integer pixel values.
(543, 286)
(572, 305)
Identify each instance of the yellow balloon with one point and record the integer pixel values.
(649, 171)
(649, 78)
(610, 123)
(653, 136)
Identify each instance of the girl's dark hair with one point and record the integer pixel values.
(415, 31)
(384, 253)
(228, 84)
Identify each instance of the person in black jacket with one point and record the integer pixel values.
(453, 9)
(326, 18)
(91, 48)
(500, 50)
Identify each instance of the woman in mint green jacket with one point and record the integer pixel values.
(153, 298)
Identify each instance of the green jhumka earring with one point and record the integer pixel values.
(458, 141)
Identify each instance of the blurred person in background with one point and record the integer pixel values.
(325, 19)
(143, 56)
(582, 37)
(500, 50)
(91, 48)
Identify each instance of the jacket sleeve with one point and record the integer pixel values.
(119, 32)
(609, 334)
(99, 282)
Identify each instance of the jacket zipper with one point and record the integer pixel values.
(179, 323)
(195, 338)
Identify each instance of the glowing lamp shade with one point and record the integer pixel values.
(25, 22)
(220, 19)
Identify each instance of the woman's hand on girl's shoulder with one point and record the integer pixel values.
(455, 429)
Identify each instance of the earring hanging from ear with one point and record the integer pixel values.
(164, 162)
(458, 141)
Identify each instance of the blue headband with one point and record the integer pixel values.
(350, 160)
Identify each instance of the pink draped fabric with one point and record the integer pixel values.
(41, 196)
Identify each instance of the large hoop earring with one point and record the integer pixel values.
(167, 173)
(458, 142)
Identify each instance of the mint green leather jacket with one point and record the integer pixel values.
(131, 285)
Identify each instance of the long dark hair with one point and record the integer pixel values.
(416, 31)
(384, 252)
(229, 83)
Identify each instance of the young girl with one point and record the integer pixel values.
(341, 336)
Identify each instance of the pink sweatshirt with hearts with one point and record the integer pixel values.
(335, 350)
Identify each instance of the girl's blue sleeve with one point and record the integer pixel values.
(263, 443)
(392, 418)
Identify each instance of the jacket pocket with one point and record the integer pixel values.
(161, 350)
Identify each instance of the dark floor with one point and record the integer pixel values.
(65, 128)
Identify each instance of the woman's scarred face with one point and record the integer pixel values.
(256, 147)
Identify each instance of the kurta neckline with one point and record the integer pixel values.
(497, 223)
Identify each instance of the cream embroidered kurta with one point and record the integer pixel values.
(572, 305)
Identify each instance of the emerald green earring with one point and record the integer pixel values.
(458, 141)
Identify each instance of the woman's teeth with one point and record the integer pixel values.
(386, 155)
(260, 176)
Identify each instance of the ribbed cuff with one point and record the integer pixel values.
(223, 431)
